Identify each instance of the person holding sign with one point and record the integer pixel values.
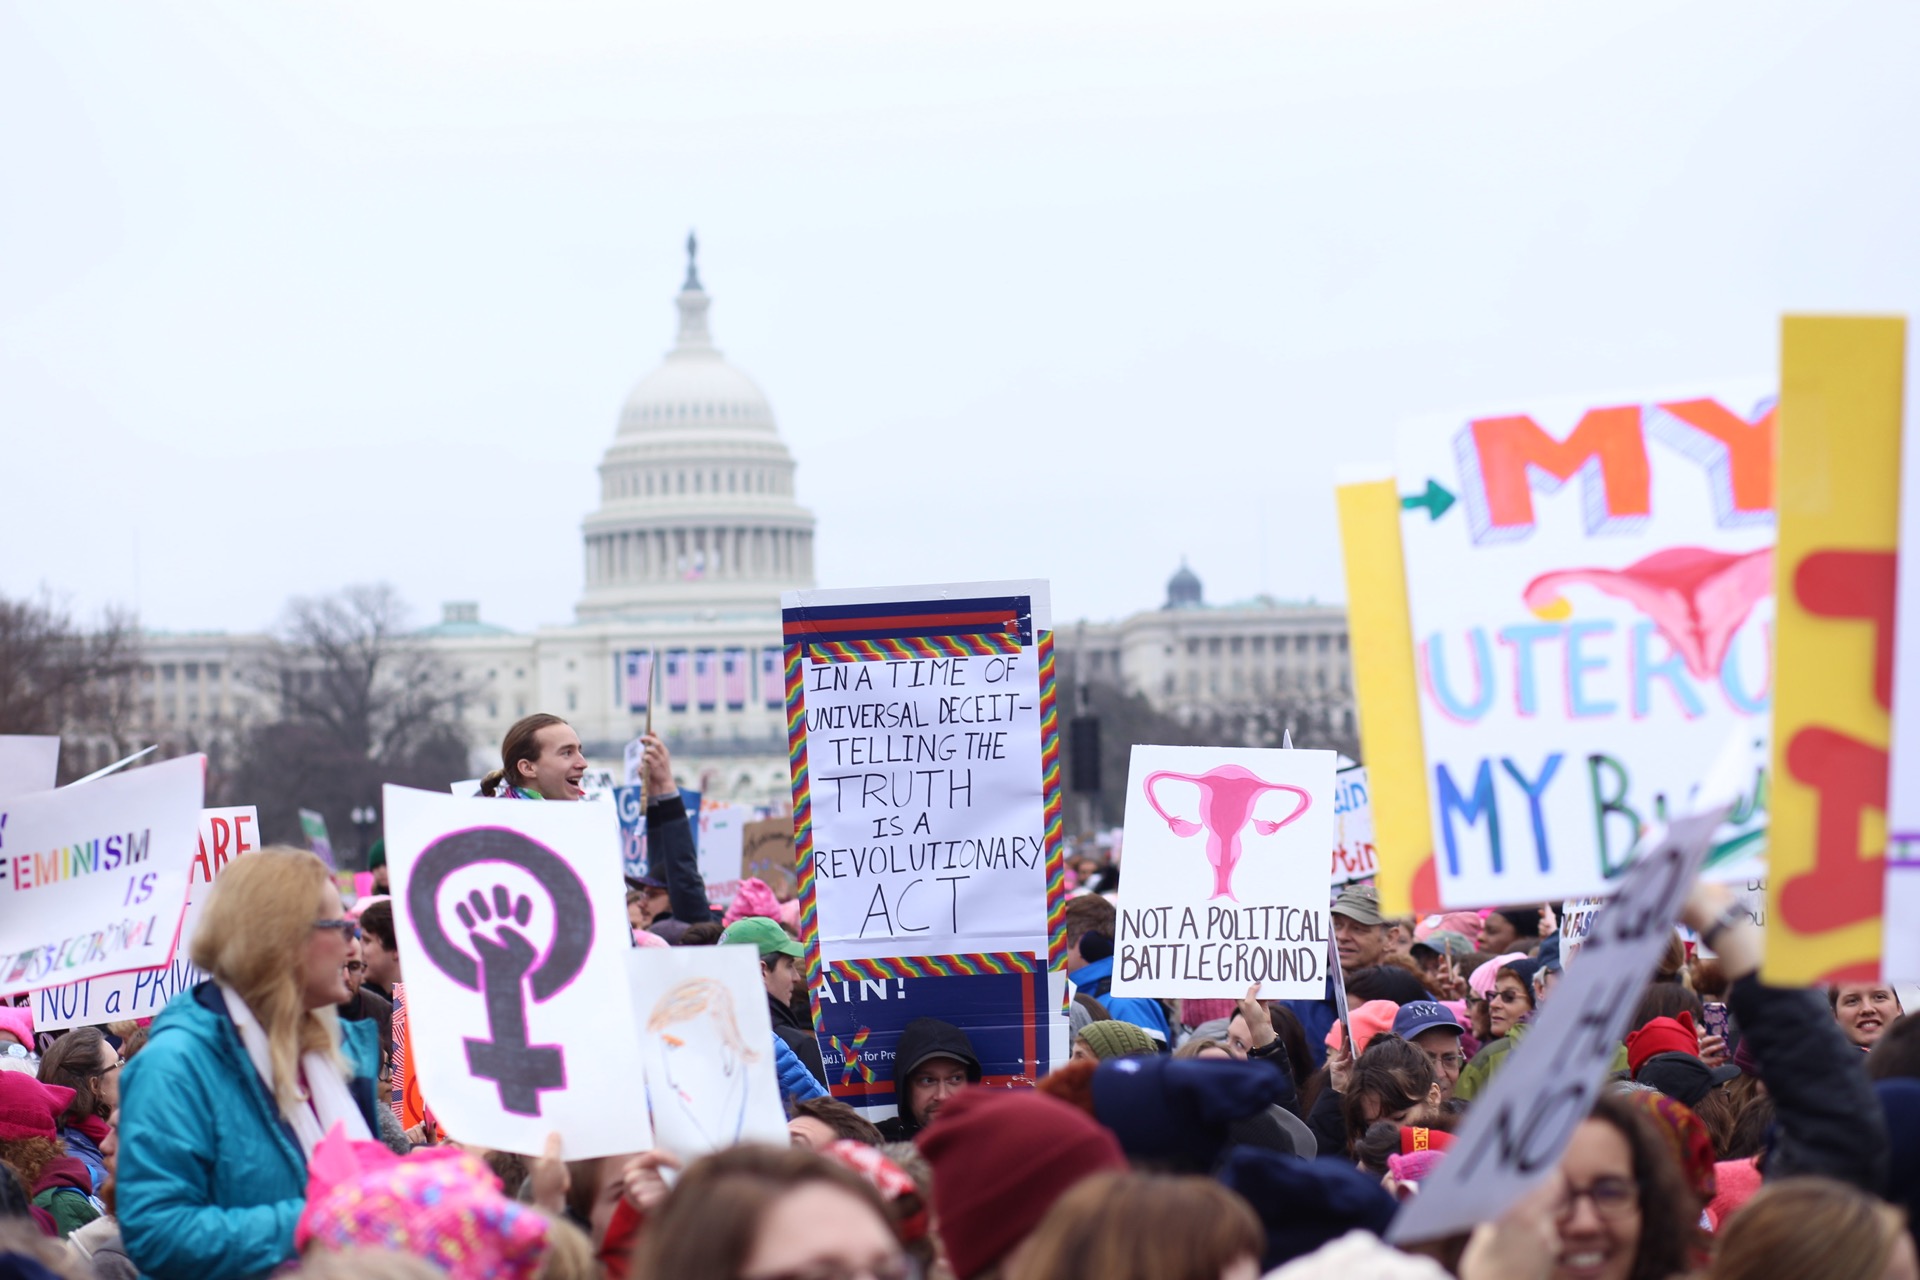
(242, 1076)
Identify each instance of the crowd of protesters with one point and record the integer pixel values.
(269, 1119)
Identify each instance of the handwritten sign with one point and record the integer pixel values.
(720, 849)
(1840, 404)
(28, 762)
(1224, 884)
(707, 1041)
(1591, 589)
(93, 879)
(511, 918)
(225, 834)
(1902, 959)
(1354, 856)
(919, 794)
(766, 854)
(1515, 1132)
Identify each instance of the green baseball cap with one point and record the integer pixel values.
(764, 934)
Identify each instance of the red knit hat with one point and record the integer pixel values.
(1662, 1035)
(29, 1109)
(1000, 1159)
(1416, 1138)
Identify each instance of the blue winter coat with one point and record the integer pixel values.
(211, 1177)
(797, 1084)
(1095, 979)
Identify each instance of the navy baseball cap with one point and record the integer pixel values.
(1417, 1016)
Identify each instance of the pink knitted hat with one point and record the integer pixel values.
(1195, 1012)
(1484, 978)
(648, 938)
(1368, 1020)
(1414, 1166)
(752, 899)
(443, 1205)
(18, 1018)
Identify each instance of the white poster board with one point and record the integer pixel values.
(225, 834)
(1225, 884)
(722, 849)
(29, 762)
(1590, 584)
(927, 813)
(1900, 950)
(93, 880)
(707, 1041)
(1354, 857)
(513, 930)
(1515, 1131)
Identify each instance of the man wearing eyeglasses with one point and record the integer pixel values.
(1427, 1025)
(364, 1003)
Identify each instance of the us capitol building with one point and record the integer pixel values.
(698, 531)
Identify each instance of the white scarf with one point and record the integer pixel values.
(328, 1101)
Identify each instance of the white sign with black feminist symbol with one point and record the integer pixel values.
(513, 935)
(1226, 880)
(1515, 1132)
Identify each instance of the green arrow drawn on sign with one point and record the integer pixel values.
(1436, 500)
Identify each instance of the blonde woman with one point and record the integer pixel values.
(242, 1076)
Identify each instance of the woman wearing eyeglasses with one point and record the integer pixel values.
(771, 1213)
(1509, 1004)
(1624, 1213)
(242, 1076)
(84, 1062)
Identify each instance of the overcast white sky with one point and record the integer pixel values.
(299, 295)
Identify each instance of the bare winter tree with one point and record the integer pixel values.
(59, 678)
(361, 702)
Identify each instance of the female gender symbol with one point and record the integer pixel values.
(505, 960)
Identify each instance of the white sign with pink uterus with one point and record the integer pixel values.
(1225, 882)
(1591, 589)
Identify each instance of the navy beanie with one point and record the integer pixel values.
(1095, 946)
(1178, 1111)
(1900, 1100)
(1304, 1204)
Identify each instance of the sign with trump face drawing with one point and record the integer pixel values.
(1226, 873)
(1591, 590)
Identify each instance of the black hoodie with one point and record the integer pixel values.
(924, 1040)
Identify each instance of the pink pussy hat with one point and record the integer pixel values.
(443, 1205)
(1481, 983)
(18, 1018)
(753, 898)
(1367, 1020)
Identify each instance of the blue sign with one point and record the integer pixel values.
(633, 827)
(859, 1021)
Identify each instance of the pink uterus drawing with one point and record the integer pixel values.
(1697, 598)
(1227, 796)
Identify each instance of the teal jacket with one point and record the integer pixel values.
(211, 1178)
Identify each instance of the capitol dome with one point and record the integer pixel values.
(697, 510)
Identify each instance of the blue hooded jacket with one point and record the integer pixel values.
(211, 1178)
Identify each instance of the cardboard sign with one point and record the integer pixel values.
(1840, 405)
(1354, 857)
(707, 1042)
(1516, 1130)
(1224, 884)
(225, 834)
(314, 827)
(512, 922)
(1385, 686)
(28, 763)
(1591, 588)
(766, 854)
(920, 799)
(859, 1020)
(93, 880)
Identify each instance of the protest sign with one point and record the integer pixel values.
(1225, 884)
(513, 922)
(314, 827)
(1591, 585)
(1839, 491)
(28, 762)
(707, 1044)
(93, 880)
(1388, 694)
(1515, 1131)
(225, 834)
(1576, 922)
(1353, 851)
(1902, 951)
(722, 835)
(860, 1013)
(632, 756)
(766, 854)
(925, 764)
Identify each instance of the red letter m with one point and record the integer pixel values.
(1502, 460)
